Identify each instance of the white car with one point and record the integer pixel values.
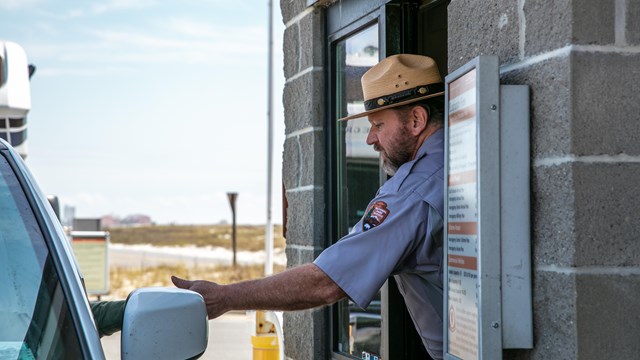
(44, 310)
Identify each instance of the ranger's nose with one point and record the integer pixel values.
(372, 137)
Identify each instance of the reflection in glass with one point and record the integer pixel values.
(31, 297)
(357, 179)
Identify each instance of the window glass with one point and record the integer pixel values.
(3, 70)
(358, 330)
(14, 138)
(31, 297)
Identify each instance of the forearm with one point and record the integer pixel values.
(302, 287)
(108, 316)
(298, 288)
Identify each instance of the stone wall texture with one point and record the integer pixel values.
(578, 58)
(303, 170)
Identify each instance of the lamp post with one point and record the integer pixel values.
(232, 201)
(268, 266)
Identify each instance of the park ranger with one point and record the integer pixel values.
(400, 233)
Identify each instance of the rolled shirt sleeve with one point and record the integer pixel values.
(396, 234)
(362, 261)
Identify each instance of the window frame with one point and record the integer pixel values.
(403, 36)
(60, 254)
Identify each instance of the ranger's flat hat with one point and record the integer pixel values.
(399, 80)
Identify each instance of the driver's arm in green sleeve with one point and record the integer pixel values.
(108, 316)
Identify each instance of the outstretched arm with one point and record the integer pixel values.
(298, 288)
(108, 316)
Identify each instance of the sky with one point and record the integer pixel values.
(155, 107)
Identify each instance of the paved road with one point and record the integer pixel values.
(229, 339)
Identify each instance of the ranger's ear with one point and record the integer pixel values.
(419, 119)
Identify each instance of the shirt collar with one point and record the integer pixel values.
(432, 144)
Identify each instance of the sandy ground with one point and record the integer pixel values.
(147, 255)
(230, 334)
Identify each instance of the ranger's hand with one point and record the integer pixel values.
(210, 291)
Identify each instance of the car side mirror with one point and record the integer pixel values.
(164, 323)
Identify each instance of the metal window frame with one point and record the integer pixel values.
(342, 21)
(331, 164)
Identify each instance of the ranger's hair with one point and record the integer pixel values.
(433, 106)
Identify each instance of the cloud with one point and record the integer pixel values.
(118, 5)
(83, 72)
(103, 8)
(189, 43)
(195, 29)
(16, 4)
(75, 47)
(85, 199)
(178, 33)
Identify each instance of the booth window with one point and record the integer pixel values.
(358, 330)
(359, 34)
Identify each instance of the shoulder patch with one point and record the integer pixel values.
(375, 215)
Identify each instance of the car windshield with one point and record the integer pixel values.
(35, 322)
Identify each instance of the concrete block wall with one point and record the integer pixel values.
(305, 332)
(580, 59)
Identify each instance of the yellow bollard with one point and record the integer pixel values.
(265, 343)
(265, 347)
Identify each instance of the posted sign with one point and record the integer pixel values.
(462, 229)
(487, 274)
(472, 212)
(91, 250)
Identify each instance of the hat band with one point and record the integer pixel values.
(404, 95)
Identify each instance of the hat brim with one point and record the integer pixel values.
(390, 106)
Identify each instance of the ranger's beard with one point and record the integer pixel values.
(397, 154)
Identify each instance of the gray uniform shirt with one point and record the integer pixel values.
(401, 235)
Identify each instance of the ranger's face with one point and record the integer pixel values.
(392, 137)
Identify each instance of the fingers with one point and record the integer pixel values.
(181, 283)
